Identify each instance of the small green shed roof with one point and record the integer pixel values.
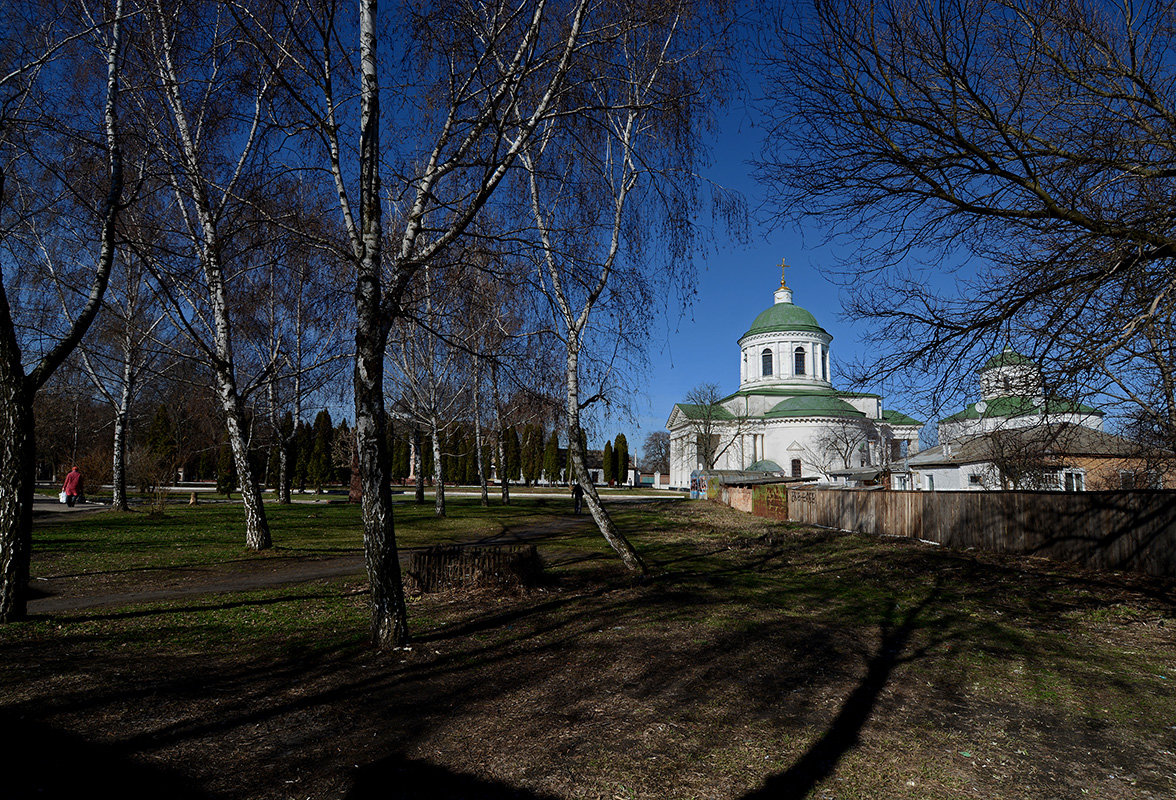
(765, 466)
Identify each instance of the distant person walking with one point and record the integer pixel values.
(72, 488)
(578, 496)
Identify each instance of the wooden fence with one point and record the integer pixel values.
(1123, 530)
(512, 568)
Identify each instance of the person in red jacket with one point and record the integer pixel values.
(72, 486)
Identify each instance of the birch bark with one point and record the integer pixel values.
(17, 453)
(191, 184)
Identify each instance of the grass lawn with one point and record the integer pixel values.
(764, 661)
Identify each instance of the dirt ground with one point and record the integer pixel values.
(594, 686)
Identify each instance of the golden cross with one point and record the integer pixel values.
(783, 267)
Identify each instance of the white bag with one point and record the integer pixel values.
(61, 497)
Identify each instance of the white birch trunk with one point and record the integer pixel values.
(389, 624)
(608, 528)
(438, 472)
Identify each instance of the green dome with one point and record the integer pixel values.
(1006, 358)
(814, 406)
(784, 317)
(765, 466)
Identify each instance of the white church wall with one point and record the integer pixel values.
(782, 346)
(758, 405)
(683, 456)
(1013, 380)
(958, 429)
(801, 439)
(870, 406)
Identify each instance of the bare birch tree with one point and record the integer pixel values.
(120, 351)
(590, 184)
(429, 371)
(296, 334)
(37, 130)
(204, 115)
(485, 76)
(717, 431)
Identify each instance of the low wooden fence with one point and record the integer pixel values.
(1123, 530)
(512, 568)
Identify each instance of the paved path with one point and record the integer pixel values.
(260, 574)
(48, 510)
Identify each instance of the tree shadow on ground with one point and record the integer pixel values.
(822, 757)
(195, 608)
(40, 762)
(547, 680)
(400, 778)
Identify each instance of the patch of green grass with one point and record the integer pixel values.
(318, 615)
(210, 534)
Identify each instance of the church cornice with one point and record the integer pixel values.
(779, 390)
(818, 336)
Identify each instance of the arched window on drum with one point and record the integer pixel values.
(766, 358)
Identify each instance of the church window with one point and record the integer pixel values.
(798, 361)
(796, 468)
(767, 361)
(824, 363)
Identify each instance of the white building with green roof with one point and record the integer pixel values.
(787, 416)
(1016, 437)
(1012, 395)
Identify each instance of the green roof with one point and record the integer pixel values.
(813, 406)
(765, 466)
(898, 418)
(1006, 358)
(784, 317)
(698, 411)
(1021, 407)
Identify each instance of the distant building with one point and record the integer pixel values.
(1015, 437)
(1053, 456)
(786, 416)
(1012, 396)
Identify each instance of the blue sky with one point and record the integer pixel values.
(736, 281)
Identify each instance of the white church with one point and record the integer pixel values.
(786, 416)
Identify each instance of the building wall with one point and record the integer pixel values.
(1104, 473)
(782, 345)
(683, 457)
(870, 406)
(770, 501)
(947, 479)
(953, 431)
(1101, 473)
(779, 440)
(738, 497)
